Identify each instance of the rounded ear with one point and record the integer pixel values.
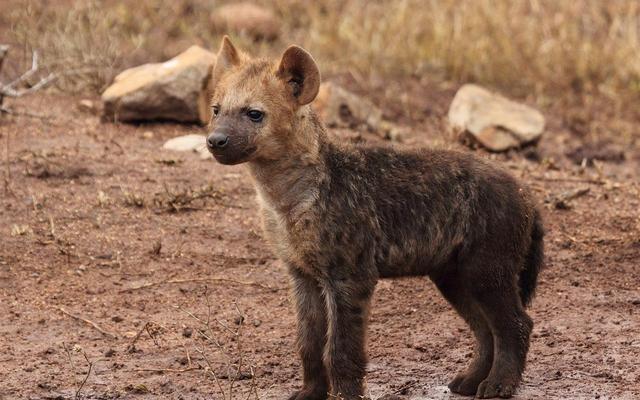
(300, 73)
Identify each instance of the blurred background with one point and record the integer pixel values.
(580, 56)
(541, 48)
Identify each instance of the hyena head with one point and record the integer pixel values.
(258, 104)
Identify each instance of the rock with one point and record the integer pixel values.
(192, 142)
(187, 332)
(87, 106)
(4, 49)
(340, 108)
(248, 19)
(496, 122)
(173, 90)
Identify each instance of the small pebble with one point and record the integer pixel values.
(187, 332)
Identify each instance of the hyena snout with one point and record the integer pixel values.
(217, 141)
(229, 147)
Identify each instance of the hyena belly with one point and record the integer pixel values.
(422, 212)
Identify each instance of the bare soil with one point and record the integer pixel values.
(163, 252)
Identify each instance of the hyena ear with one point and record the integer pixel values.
(228, 57)
(300, 73)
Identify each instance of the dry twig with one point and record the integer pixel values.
(235, 361)
(9, 89)
(88, 322)
(178, 200)
(211, 279)
(576, 180)
(131, 346)
(561, 202)
(168, 370)
(86, 377)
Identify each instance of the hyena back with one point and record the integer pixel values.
(342, 216)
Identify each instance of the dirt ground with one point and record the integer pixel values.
(161, 253)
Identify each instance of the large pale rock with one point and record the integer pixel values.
(339, 107)
(248, 19)
(495, 121)
(173, 90)
(193, 143)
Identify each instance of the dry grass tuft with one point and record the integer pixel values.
(521, 46)
(79, 41)
(544, 46)
(179, 199)
(91, 41)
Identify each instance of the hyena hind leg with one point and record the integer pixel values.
(511, 328)
(466, 382)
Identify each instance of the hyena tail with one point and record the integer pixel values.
(533, 263)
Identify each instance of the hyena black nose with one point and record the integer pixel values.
(217, 141)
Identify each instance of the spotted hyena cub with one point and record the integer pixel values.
(341, 217)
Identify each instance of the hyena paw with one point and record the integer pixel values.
(491, 388)
(464, 385)
(309, 393)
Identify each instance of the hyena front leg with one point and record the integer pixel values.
(345, 356)
(312, 330)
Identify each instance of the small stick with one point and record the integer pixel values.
(26, 75)
(7, 178)
(167, 370)
(9, 91)
(137, 336)
(576, 180)
(88, 322)
(202, 333)
(189, 363)
(151, 335)
(86, 376)
(66, 349)
(213, 279)
(25, 114)
(238, 335)
(254, 388)
(210, 370)
(4, 49)
(118, 145)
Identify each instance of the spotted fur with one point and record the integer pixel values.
(342, 216)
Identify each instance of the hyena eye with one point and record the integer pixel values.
(216, 109)
(255, 115)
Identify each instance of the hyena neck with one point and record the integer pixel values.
(290, 183)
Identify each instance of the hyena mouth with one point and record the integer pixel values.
(233, 156)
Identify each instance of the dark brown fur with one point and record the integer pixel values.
(341, 217)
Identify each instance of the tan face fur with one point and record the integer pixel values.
(258, 104)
